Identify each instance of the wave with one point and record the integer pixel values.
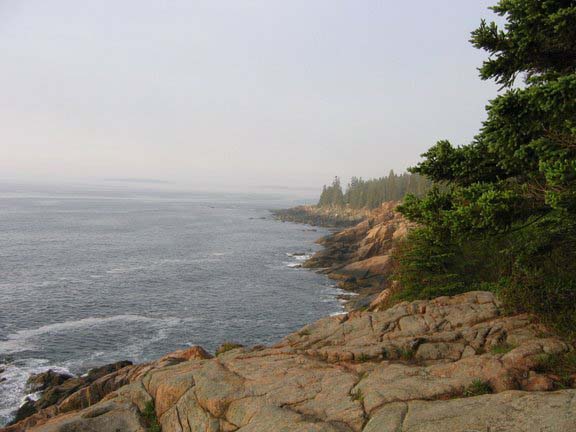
(298, 259)
(299, 256)
(302, 257)
(19, 341)
(122, 270)
(334, 290)
(16, 373)
(13, 384)
(136, 348)
(338, 313)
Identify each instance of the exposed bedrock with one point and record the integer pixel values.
(359, 258)
(448, 364)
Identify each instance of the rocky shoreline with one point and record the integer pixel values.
(359, 258)
(54, 387)
(449, 364)
(318, 216)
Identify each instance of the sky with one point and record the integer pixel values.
(236, 93)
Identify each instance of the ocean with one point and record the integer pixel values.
(94, 277)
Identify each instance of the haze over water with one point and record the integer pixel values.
(93, 278)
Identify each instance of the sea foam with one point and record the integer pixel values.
(21, 339)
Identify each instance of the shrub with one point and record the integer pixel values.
(530, 269)
(428, 266)
(542, 280)
(150, 418)
(502, 348)
(562, 365)
(406, 354)
(227, 346)
(477, 388)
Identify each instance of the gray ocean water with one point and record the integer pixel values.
(89, 278)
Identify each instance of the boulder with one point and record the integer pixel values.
(538, 382)
(44, 380)
(193, 353)
(381, 300)
(377, 265)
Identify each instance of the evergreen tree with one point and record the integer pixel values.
(372, 193)
(511, 191)
(324, 199)
(337, 194)
(332, 196)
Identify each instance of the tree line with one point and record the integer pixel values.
(372, 193)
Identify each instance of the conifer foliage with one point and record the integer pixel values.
(371, 193)
(508, 201)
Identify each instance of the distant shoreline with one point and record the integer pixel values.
(330, 217)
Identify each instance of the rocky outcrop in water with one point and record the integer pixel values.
(61, 389)
(449, 364)
(45, 380)
(62, 394)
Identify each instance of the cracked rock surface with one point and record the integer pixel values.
(403, 369)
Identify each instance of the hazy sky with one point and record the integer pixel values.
(239, 92)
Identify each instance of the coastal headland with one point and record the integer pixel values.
(456, 363)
